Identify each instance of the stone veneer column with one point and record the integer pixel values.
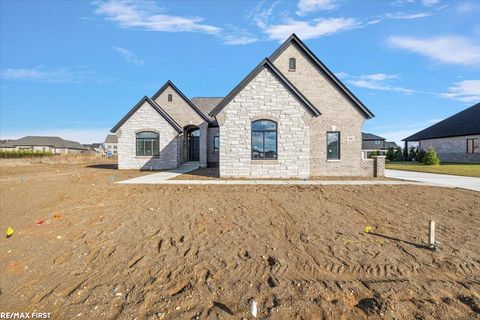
(379, 166)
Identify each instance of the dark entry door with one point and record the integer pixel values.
(194, 145)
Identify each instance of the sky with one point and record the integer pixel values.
(75, 68)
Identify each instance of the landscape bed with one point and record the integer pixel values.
(460, 169)
(183, 252)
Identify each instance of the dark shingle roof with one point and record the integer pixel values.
(111, 138)
(206, 104)
(464, 123)
(390, 144)
(55, 142)
(370, 136)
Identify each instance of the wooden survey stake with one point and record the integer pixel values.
(431, 235)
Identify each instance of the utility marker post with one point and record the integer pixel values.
(431, 236)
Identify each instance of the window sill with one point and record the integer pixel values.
(146, 157)
(264, 161)
(334, 160)
(292, 70)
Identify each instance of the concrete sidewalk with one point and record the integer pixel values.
(162, 176)
(155, 179)
(470, 183)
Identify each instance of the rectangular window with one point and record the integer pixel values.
(472, 146)
(216, 144)
(333, 145)
(292, 64)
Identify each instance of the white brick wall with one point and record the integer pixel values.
(147, 119)
(264, 98)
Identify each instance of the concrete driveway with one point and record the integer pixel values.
(470, 183)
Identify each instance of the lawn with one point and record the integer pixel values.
(460, 169)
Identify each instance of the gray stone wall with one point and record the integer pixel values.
(337, 115)
(212, 157)
(264, 98)
(452, 149)
(147, 119)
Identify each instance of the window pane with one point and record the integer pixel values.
(147, 134)
(271, 145)
(333, 145)
(257, 145)
(216, 144)
(140, 149)
(469, 146)
(476, 146)
(155, 146)
(148, 147)
(292, 64)
(264, 125)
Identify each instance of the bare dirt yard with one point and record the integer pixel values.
(177, 252)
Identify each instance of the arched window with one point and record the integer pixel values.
(147, 143)
(292, 64)
(170, 97)
(264, 140)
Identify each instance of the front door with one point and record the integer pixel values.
(194, 145)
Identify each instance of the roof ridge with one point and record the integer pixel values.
(251, 75)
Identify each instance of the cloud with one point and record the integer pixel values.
(376, 81)
(145, 15)
(129, 56)
(40, 74)
(309, 6)
(309, 30)
(445, 49)
(465, 91)
(429, 3)
(407, 16)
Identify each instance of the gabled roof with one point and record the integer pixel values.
(155, 106)
(180, 93)
(325, 71)
(464, 123)
(206, 104)
(266, 63)
(55, 142)
(371, 136)
(111, 138)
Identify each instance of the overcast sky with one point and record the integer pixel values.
(74, 68)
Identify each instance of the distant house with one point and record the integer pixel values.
(96, 148)
(455, 139)
(55, 145)
(371, 143)
(111, 144)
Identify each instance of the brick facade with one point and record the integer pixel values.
(452, 149)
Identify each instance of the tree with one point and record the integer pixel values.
(399, 154)
(374, 153)
(390, 155)
(421, 155)
(431, 158)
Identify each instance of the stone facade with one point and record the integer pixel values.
(212, 156)
(147, 119)
(187, 118)
(337, 114)
(264, 97)
(452, 149)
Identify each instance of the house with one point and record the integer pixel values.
(372, 142)
(455, 139)
(54, 145)
(96, 149)
(289, 117)
(111, 145)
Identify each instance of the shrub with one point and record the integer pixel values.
(399, 154)
(413, 154)
(390, 155)
(374, 153)
(431, 157)
(421, 155)
(10, 154)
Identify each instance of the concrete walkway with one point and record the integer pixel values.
(470, 183)
(163, 176)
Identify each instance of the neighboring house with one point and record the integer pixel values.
(96, 149)
(55, 145)
(371, 142)
(111, 144)
(289, 117)
(455, 139)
